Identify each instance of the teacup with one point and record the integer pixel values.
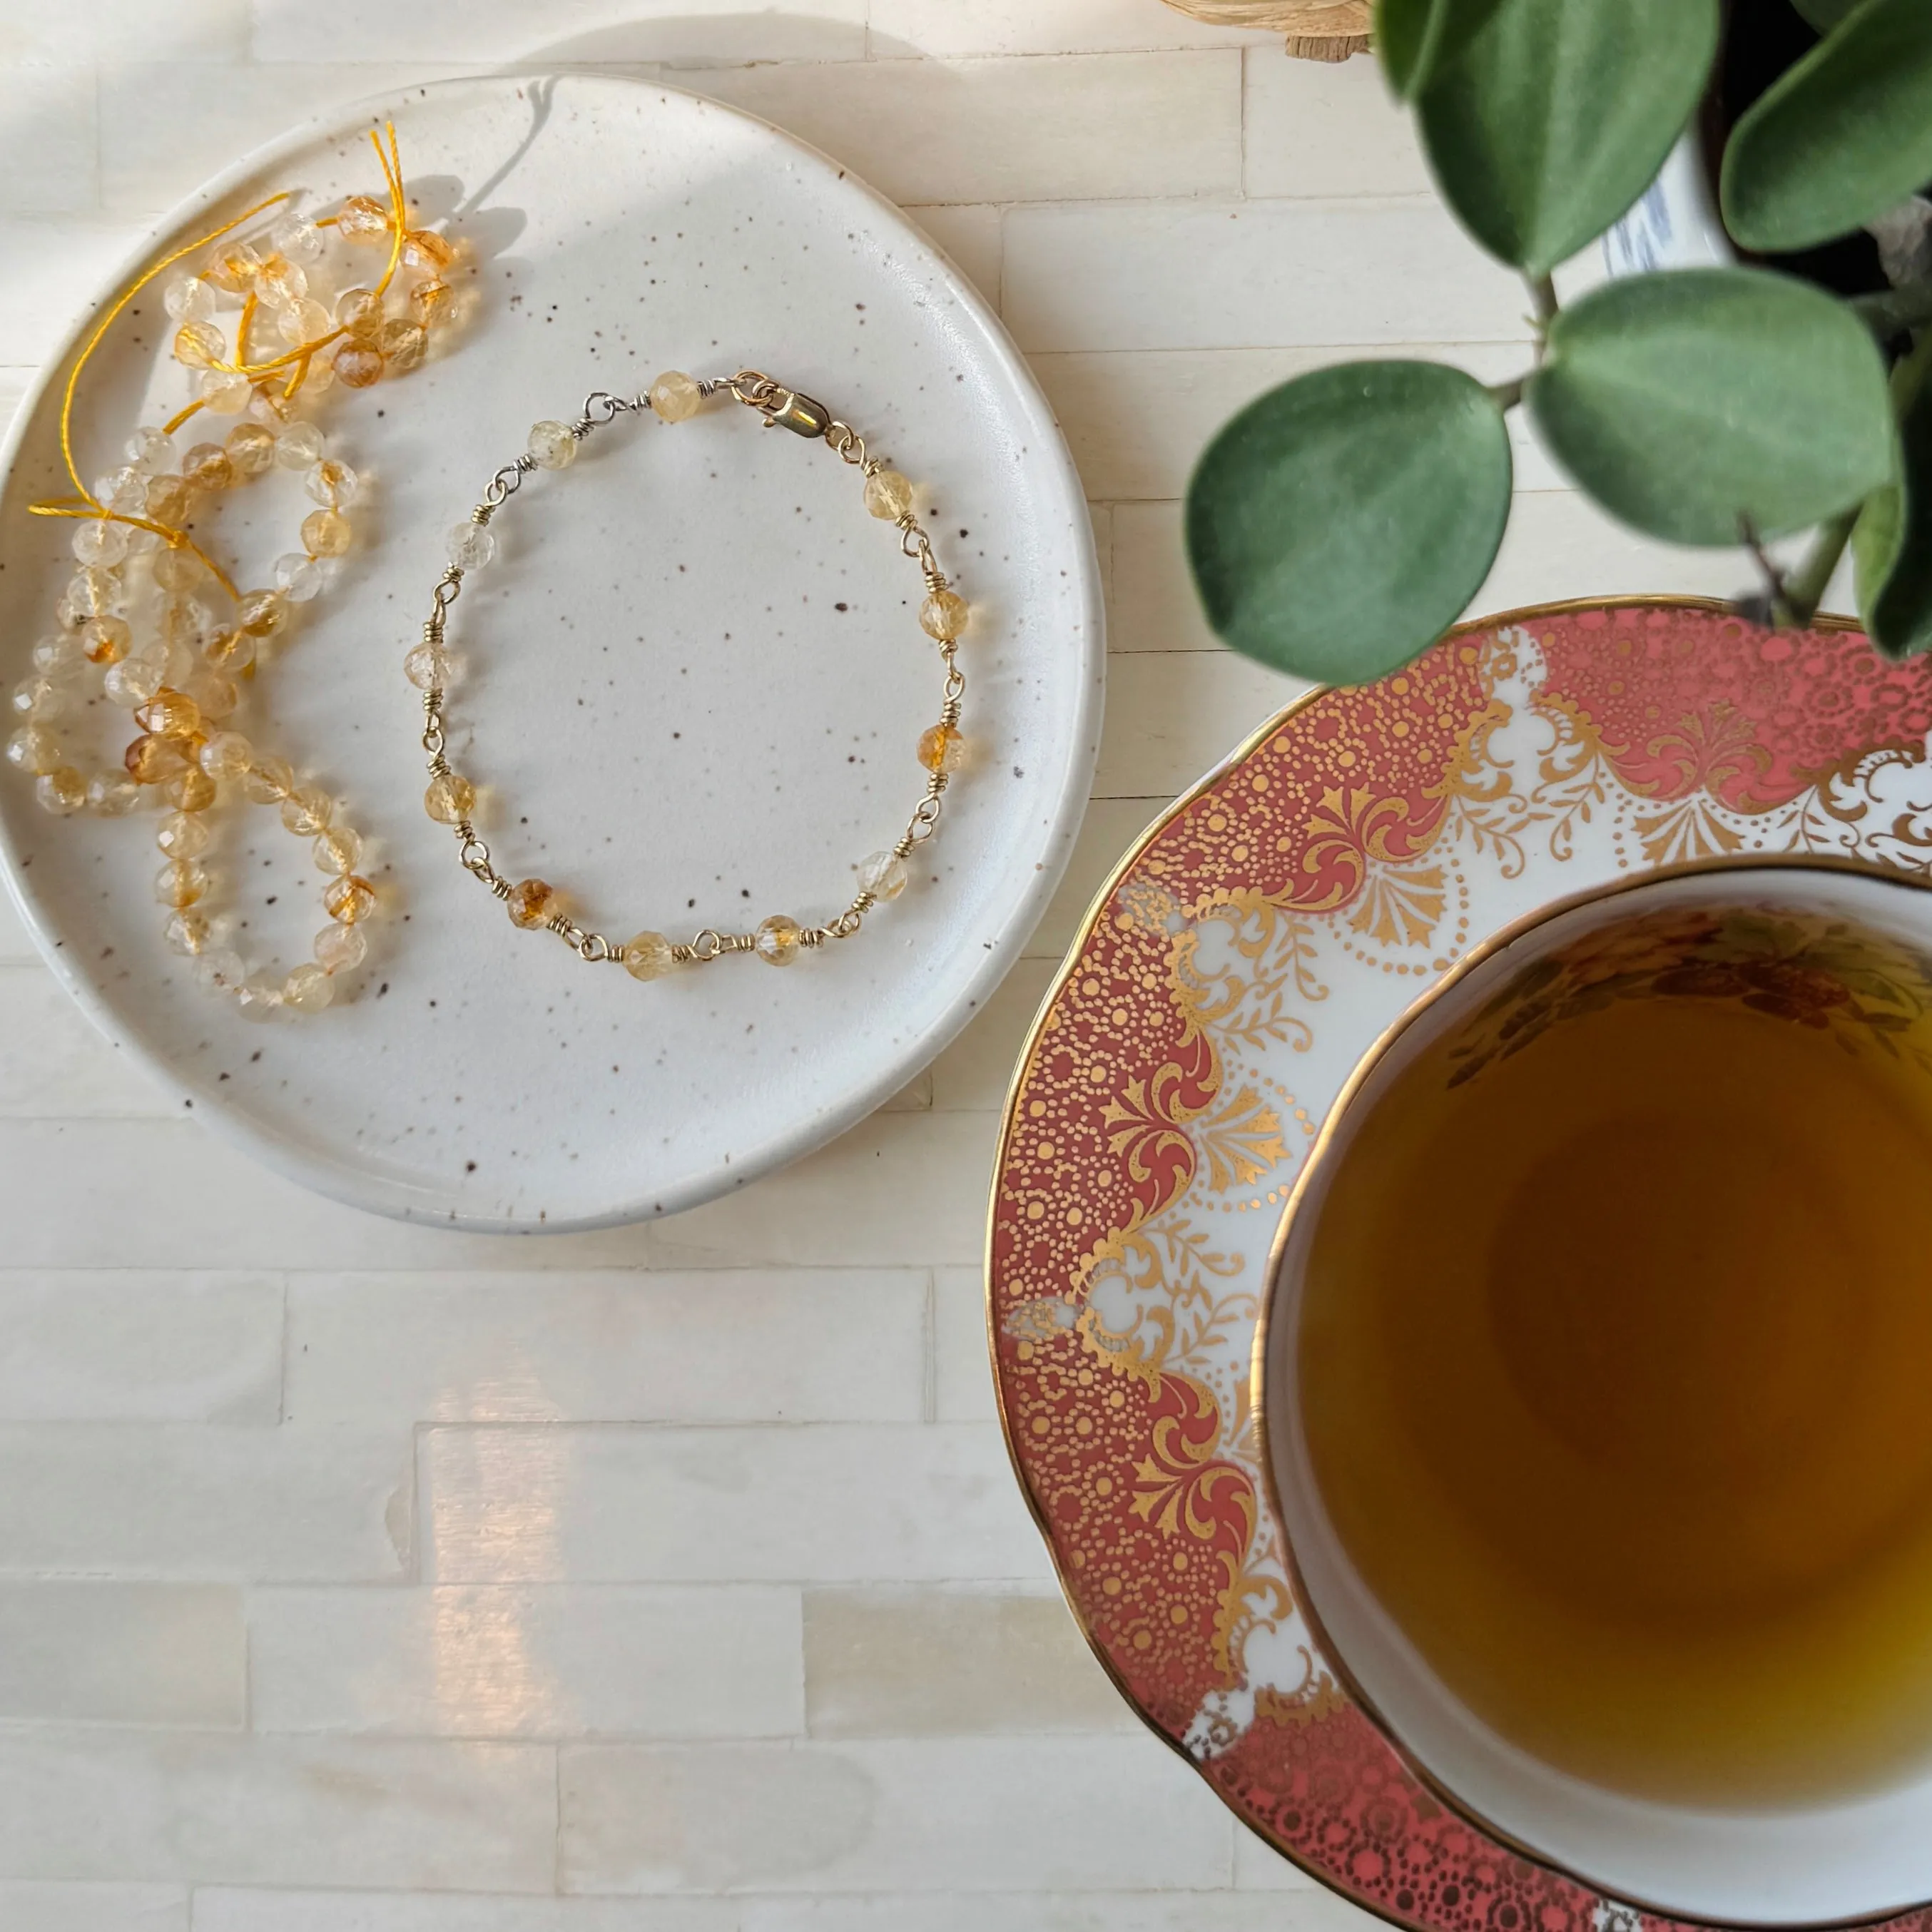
(1595, 1387)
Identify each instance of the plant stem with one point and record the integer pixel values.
(1805, 590)
(1506, 395)
(1542, 300)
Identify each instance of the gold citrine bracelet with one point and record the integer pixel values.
(450, 799)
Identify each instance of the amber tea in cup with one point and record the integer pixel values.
(1608, 1375)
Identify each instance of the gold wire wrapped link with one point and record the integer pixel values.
(779, 406)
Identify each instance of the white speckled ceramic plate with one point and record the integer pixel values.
(695, 681)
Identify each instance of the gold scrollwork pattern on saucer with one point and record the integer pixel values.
(1261, 937)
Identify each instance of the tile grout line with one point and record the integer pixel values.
(929, 1352)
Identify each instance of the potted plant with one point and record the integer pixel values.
(1340, 524)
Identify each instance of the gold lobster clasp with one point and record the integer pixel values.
(800, 414)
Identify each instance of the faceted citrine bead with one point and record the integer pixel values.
(299, 446)
(131, 682)
(251, 449)
(198, 345)
(268, 781)
(233, 268)
(258, 997)
(427, 668)
(337, 850)
(552, 446)
(228, 755)
(226, 393)
(430, 300)
(943, 615)
(337, 948)
(450, 799)
(303, 321)
(941, 748)
(217, 696)
(360, 311)
(104, 640)
(152, 759)
(305, 813)
(425, 248)
(350, 899)
(531, 902)
(34, 749)
(888, 495)
(777, 940)
(186, 933)
(110, 796)
(206, 466)
(167, 500)
(675, 396)
(307, 989)
(231, 649)
(358, 364)
(883, 875)
(325, 533)
(403, 345)
(183, 835)
(177, 570)
(181, 883)
(262, 613)
(332, 484)
(169, 714)
(93, 590)
(191, 791)
(61, 791)
(648, 956)
(362, 218)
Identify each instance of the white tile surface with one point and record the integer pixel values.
(137, 1346)
(926, 1662)
(1366, 272)
(718, 1507)
(564, 1661)
(1042, 27)
(620, 1505)
(1137, 420)
(147, 1653)
(49, 141)
(1312, 129)
(609, 1346)
(480, 33)
(86, 1906)
(1043, 129)
(960, 1814)
(103, 1499)
(219, 1908)
(191, 1806)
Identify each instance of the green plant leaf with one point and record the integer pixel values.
(1339, 523)
(1891, 544)
(1824, 14)
(1686, 402)
(1555, 115)
(1842, 137)
(1414, 37)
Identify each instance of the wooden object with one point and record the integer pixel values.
(1327, 30)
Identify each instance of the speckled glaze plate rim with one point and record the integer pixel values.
(368, 1187)
(1611, 1913)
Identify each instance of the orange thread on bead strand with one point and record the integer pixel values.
(296, 360)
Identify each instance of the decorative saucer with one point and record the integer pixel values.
(1255, 942)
